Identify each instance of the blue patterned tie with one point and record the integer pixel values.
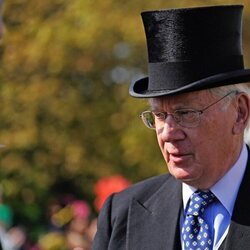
(195, 233)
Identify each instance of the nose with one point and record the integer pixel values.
(171, 131)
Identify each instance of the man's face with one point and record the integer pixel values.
(198, 156)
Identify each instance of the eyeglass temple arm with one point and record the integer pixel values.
(232, 92)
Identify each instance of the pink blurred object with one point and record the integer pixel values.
(80, 209)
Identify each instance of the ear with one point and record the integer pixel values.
(242, 113)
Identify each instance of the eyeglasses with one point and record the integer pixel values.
(188, 118)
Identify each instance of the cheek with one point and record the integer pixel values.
(204, 151)
(160, 143)
(214, 138)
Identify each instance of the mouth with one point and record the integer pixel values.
(177, 157)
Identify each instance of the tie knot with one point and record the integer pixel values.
(199, 201)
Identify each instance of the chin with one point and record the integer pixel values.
(182, 174)
(188, 178)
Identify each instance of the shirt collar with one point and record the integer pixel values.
(227, 187)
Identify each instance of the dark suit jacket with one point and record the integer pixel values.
(146, 217)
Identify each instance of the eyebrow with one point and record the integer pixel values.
(179, 106)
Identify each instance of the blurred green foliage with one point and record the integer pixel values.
(66, 117)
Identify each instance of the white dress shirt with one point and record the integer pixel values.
(226, 189)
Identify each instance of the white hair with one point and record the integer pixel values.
(221, 91)
(238, 88)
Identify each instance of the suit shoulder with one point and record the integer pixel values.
(142, 190)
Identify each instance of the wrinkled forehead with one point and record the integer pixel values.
(190, 99)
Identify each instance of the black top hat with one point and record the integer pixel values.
(192, 49)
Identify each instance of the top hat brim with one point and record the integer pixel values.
(140, 89)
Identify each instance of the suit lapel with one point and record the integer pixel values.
(154, 224)
(239, 231)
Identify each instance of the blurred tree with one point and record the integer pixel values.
(66, 117)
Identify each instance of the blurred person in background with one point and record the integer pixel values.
(199, 111)
(76, 232)
(11, 237)
(6, 218)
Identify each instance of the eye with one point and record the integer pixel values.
(187, 115)
(160, 115)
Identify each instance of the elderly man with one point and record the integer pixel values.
(199, 110)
